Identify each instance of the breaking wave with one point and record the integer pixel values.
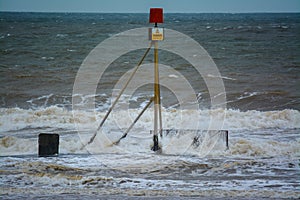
(251, 132)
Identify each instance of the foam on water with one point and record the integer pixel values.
(250, 132)
(149, 175)
(53, 116)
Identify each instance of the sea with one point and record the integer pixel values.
(257, 57)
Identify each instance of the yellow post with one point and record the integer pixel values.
(157, 110)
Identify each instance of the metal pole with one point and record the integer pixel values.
(156, 98)
(227, 138)
(160, 120)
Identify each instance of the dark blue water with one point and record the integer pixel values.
(40, 54)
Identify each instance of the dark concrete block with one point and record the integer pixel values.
(48, 144)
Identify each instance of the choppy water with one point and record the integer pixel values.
(257, 55)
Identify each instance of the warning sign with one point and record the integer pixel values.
(157, 34)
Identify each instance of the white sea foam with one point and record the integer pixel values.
(15, 121)
(222, 77)
(53, 116)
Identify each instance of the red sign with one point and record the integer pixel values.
(156, 15)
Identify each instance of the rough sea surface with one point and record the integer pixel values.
(258, 59)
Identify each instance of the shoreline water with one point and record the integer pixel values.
(257, 56)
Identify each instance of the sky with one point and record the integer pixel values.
(142, 6)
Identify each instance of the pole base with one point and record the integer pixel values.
(155, 146)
